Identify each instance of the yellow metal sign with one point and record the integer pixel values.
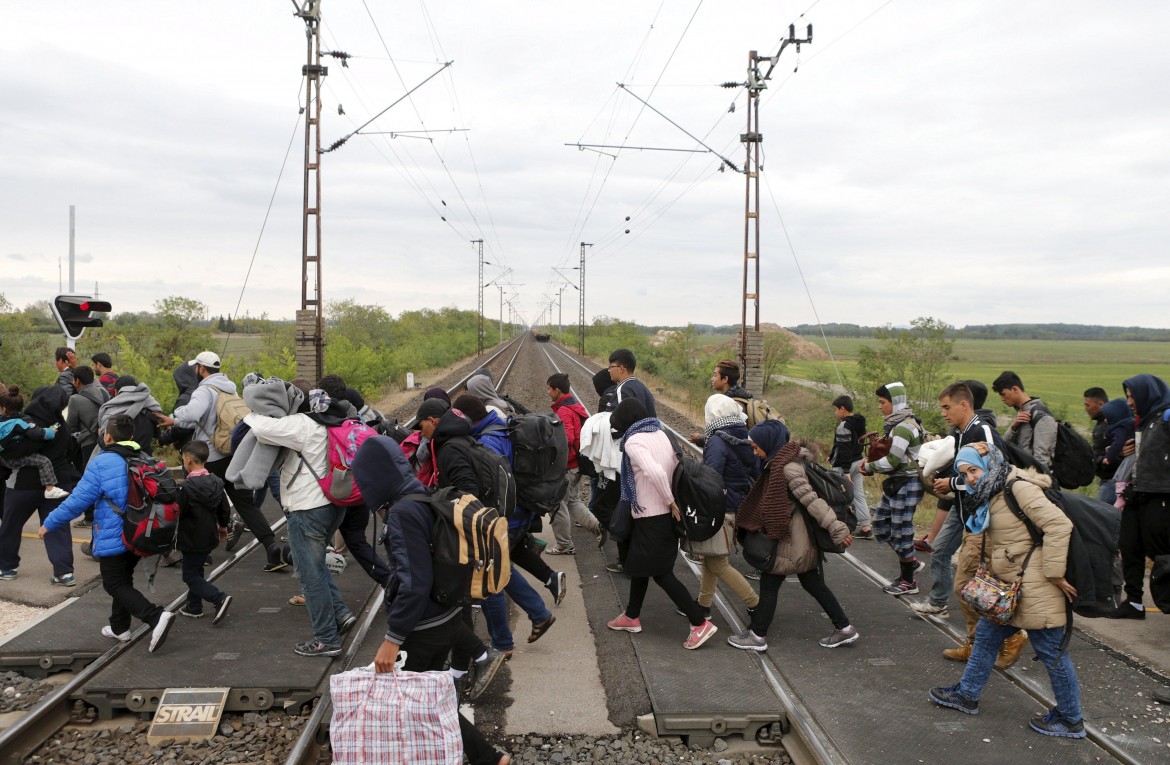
(190, 714)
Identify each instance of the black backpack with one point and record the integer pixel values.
(493, 474)
(540, 459)
(837, 492)
(700, 495)
(1091, 548)
(1072, 462)
(469, 547)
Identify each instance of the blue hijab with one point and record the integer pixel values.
(992, 482)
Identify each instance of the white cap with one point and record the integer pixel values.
(206, 359)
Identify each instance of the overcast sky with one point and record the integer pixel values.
(977, 162)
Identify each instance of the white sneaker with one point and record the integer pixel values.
(926, 608)
(56, 493)
(159, 635)
(120, 636)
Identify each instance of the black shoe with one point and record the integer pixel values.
(615, 568)
(347, 624)
(221, 611)
(557, 586)
(1126, 611)
(1161, 695)
(235, 531)
(485, 671)
(950, 697)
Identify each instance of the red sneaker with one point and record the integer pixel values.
(625, 624)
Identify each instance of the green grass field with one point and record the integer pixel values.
(1056, 371)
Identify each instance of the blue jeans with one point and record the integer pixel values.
(1107, 492)
(989, 638)
(309, 531)
(860, 504)
(495, 609)
(942, 573)
(271, 485)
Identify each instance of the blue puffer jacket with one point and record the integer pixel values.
(105, 478)
(736, 463)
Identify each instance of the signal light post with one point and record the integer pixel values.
(75, 312)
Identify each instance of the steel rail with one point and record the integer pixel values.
(1027, 684)
(310, 743)
(52, 713)
(813, 737)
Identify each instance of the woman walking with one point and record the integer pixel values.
(728, 451)
(1010, 555)
(648, 462)
(772, 507)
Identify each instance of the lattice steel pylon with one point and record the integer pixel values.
(310, 325)
(581, 301)
(479, 308)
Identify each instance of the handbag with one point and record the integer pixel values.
(876, 445)
(992, 598)
(759, 550)
(621, 523)
(719, 545)
(394, 717)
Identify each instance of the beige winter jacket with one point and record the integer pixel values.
(797, 554)
(1042, 604)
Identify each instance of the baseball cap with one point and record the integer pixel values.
(206, 359)
(432, 407)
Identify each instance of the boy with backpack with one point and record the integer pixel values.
(846, 459)
(205, 514)
(572, 413)
(105, 487)
(1034, 427)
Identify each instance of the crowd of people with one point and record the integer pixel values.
(65, 452)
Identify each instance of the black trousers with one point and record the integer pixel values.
(526, 558)
(118, 580)
(1145, 533)
(813, 583)
(353, 531)
(245, 504)
(466, 646)
(426, 651)
(675, 590)
(198, 588)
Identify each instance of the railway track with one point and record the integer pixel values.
(66, 703)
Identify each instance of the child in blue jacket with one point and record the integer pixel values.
(104, 487)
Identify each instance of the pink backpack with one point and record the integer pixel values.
(338, 483)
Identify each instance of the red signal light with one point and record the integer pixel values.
(84, 306)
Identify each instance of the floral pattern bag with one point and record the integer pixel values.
(992, 598)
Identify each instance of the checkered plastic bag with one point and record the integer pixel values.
(394, 717)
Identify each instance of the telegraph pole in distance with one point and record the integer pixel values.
(751, 341)
(581, 302)
(479, 293)
(310, 325)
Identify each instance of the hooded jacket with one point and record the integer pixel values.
(310, 440)
(736, 463)
(84, 406)
(1119, 428)
(1151, 399)
(199, 413)
(573, 415)
(451, 442)
(203, 508)
(384, 476)
(902, 427)
(481, 387)
(105, 481)
(846, 445)
(1037, 436)
(136, 402)
(45, 411)
(603, 384)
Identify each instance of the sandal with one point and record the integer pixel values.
(539, 628)
(297, 600)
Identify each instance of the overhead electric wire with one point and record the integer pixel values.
(442, 161)
(264, 223)
(807, 291)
